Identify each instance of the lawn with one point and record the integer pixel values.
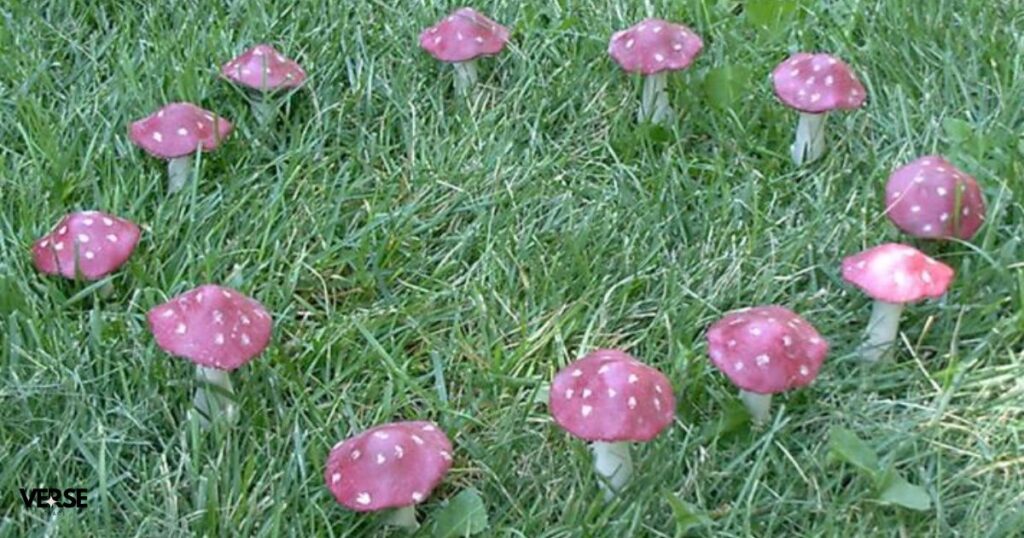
(431, 257)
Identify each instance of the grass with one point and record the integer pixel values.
(427, 257)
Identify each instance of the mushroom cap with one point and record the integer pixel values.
(264, 68)
(102, 243)
(896, 273)
(389, 466)
(179, 129)
(930, 198)
(463, 35)
(766, 349)
(653, 45)
(212, 326)
(817, 83)
(610, 396)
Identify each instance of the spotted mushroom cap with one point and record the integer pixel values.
(98, 241)
(610, 396)
(179, 129)
(264, 68)
(463, 35)
(930, 198)
(653, 45)
(817, 83)
(212, 326)
(389, 466)
(896, 273)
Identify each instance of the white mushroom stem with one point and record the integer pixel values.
(810, 138)
(404, 517)
(465, 76)
(214, 397)
(882, 329)
(612, 462)
(758, 405)
(178, 171)
(654, 105)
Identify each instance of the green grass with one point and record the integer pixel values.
(427, 257)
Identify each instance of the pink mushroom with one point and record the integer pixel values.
(931, 199)
(89, 244)
(461, 38)
(611, 399)
(766, 350)
(654, 48)
(176, 132)
(219, 330)
(814, 85)
(893, 275)
(264, 69)
(392, 466)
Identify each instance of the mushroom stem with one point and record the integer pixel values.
(214, 396)
(654, 105)
(882, 329)
(614, 464)
(178, 171)
(758, 405)
(465, 76)
(404, 517)
(810, 138)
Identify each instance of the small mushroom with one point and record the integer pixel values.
(611, 399)
(932, 199)
(392, 466)
(654, 48)
(461, 38)
(86, 244)
(265, 70)
(219, 330)
(893, 275)
(176, 132)
(766, 350)
(814, 85)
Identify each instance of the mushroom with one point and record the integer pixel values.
(176, 132)
(653, 48)
(264, 69)
(219, 330)
(893, 275)
(931, 199)
(461, 38)
(89, 244)
(765, 350)
(611, 399)
(393, 465)
(814, 85)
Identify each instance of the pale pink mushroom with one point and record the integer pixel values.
(394, 465)
(89, 244)
(932, 199)
(460, 39)
(766, 350)
(653, 48)
(264, 69)
(611, 399)
(814, 85)
(175, 133)
(893, 275)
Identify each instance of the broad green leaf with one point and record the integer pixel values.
(725, 85)
(687, 515)
(465, 515)
(896, 490)
(769, 14)
(846, 446)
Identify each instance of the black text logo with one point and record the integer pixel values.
(53, 498)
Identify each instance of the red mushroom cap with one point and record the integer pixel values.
(653, 45)
(610, 396)
(817, 83)
(896, 273)
(931, 198)
(100, 242)
(389, 466)
(212, 326)
(463, 36)
(766, 349)
(179, 129)
(264, 68)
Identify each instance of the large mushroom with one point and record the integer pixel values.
(86, 244)
(814, 85)
(265, 70)
(930, 198)
(653, 48)
(611, 399)
(460, 39)
(893, 275)
(175, 133)
(392, 466)
(219, 330)
(766, 350)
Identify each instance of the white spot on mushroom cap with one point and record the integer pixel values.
(335, 478)
(569, 393)
(181, 328)
(631, 402)
(416, 439)
(417, 496)
(586, 393)
(89, 255)
(157, 136)
(585, 410)
(762, 360)
(363, 498)
(218, 339)
(381, 459)
(355, 454)
(577, 372)
(632, 379)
